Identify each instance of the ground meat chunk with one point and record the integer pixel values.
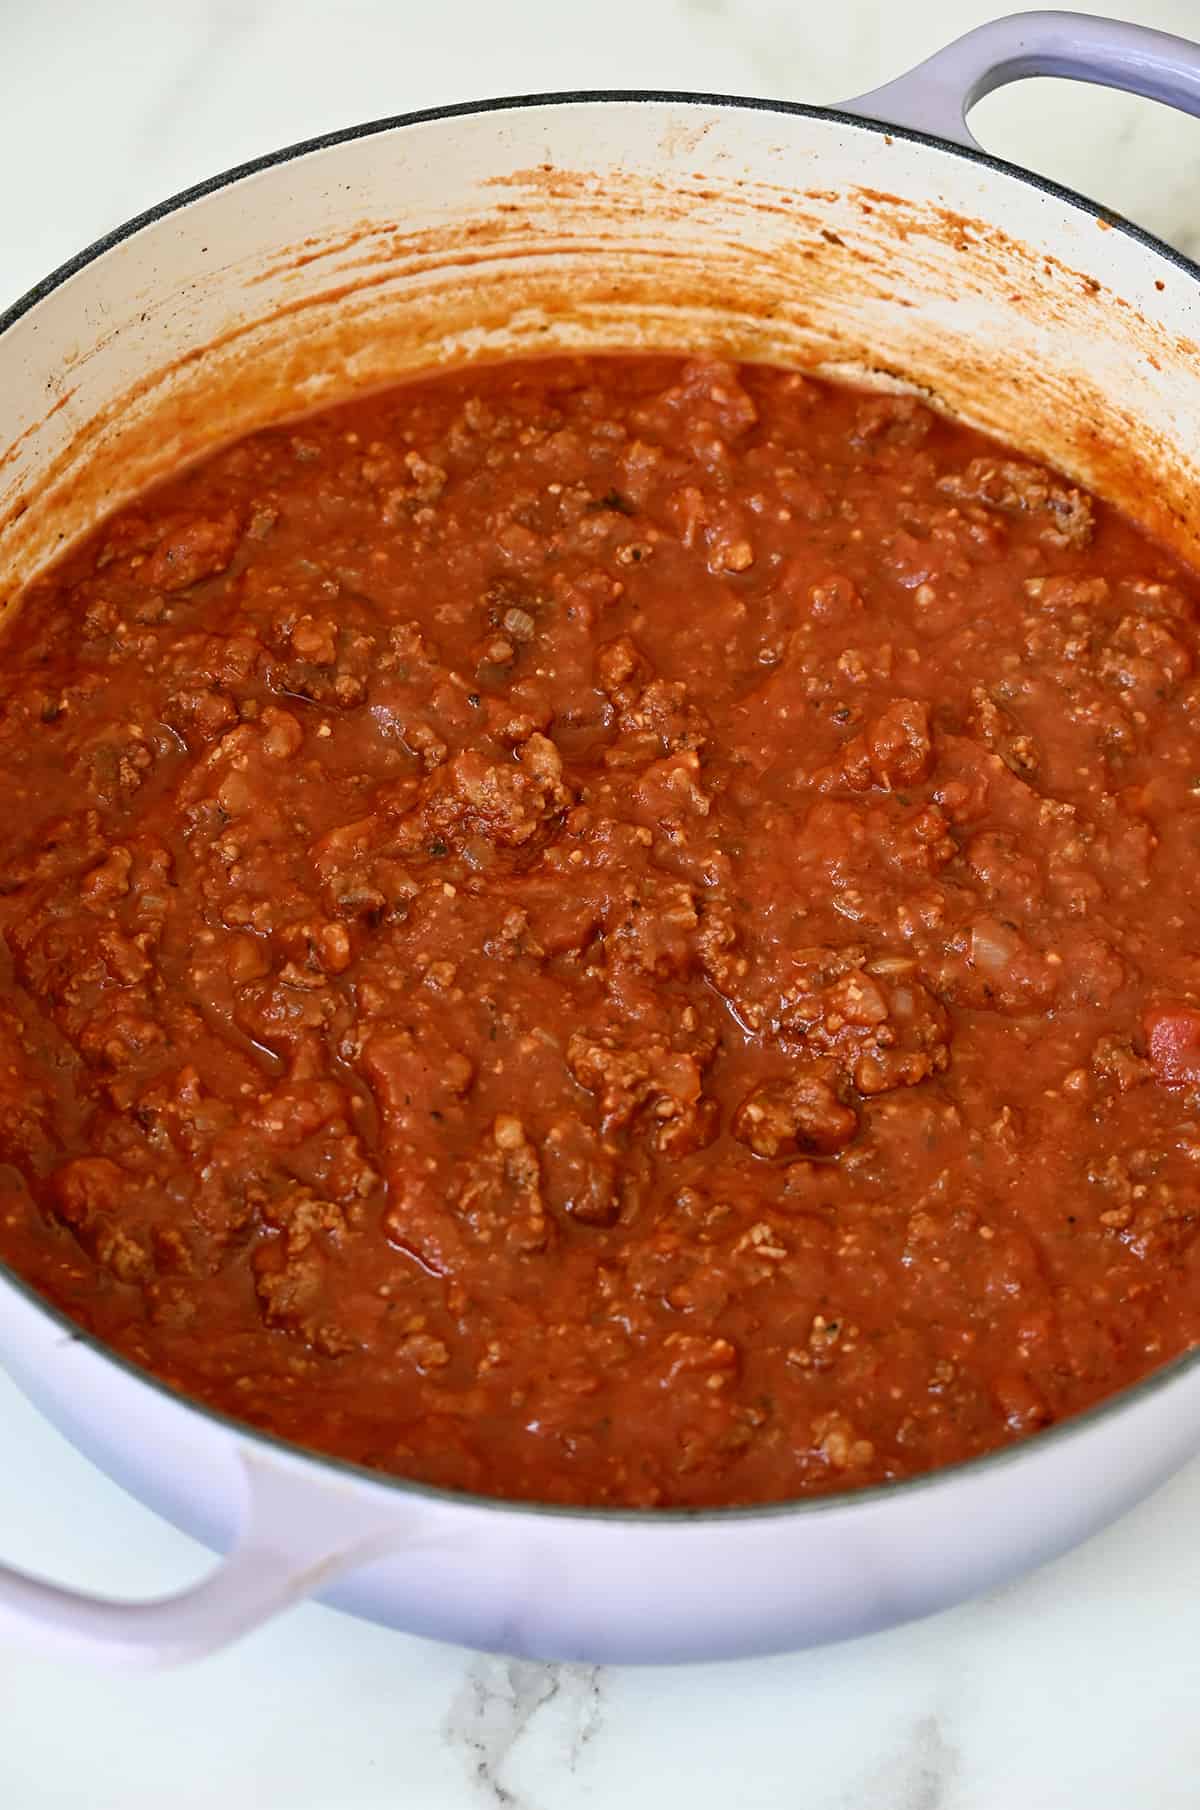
(505, 804)
(200, 713)
(1143, 659)
(291, 1294)
(324, 661)
(500, 1197)
(290, 1270)
(581, 1173)
(191, 548)
(886, 1029)
(802, 1114)
(717, 949)
(617, 663)
(93, 1197)
(893, 752)
(654, 930)
(1115, 1059)
(997, 729)
(314, 639)
(991, 966)
(647, 1082)
(1065, 595)
(663, 716)
(891, 421)
(1013, 488)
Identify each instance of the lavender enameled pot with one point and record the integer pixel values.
(874, 240)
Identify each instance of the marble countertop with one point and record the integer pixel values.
(1074, 1689)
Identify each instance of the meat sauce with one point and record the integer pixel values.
(611, 931)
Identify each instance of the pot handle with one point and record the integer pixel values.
(937, 95)
(290, 1543)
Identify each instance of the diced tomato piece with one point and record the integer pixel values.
(1173, 1036)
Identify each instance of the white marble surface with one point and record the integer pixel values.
(1073, 1690)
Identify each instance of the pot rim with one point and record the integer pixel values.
(964, 1470)
(324, 141)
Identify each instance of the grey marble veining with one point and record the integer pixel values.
(495, 1705)
(1072, 1690)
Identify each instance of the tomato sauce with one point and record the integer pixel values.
(610, 931)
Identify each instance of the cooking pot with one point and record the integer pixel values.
(874, 240)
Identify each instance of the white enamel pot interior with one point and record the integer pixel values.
(820, 238)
